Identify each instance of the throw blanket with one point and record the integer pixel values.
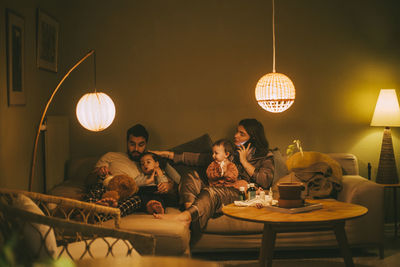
(320, 174)
(318, 180)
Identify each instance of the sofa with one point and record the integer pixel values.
(227, 234)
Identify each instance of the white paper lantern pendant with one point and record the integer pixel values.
(95, 111)
(275, 92)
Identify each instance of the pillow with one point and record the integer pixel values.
(202, 144)
(33, 232)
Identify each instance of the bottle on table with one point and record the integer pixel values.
(242, 194)
(251, 192)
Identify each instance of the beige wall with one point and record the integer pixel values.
(184, 68)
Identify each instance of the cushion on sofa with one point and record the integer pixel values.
(201, 144)
(172, 236)
(34, 233)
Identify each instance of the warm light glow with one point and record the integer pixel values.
(275, 92)
(387, 111)
(95, 111)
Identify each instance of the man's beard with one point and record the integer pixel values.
(135, 155)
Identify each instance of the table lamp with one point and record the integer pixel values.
(95, 111)
(387, 114)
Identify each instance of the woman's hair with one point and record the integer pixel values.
(257, 136)
(228, 146)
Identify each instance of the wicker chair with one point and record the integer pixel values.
(38, 226)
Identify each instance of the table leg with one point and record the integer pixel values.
(395, 210)
(343, 243)
(267, 246)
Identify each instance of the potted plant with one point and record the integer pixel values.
(290, 192)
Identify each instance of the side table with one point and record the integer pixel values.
(331, 217)
(394, 188)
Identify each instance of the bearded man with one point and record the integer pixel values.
(119, 163)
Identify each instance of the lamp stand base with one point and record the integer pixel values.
(387, 170)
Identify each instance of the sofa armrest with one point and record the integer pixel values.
(361, 191)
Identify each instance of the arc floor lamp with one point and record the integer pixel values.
(95, 111)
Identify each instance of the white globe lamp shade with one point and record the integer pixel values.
(275, 92)
(95, 111)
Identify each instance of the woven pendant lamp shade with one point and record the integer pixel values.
(275, 92)
(95, 111)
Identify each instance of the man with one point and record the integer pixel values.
(117, 163)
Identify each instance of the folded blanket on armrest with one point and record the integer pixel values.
(318, 180)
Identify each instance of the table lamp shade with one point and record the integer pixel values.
(387, 114)
(387, 111)
(95, 111)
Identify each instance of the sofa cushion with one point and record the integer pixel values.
(201, 144)
(34, 233)
(225, 225)
(347, 161)
(172, 236)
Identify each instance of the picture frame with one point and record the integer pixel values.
(47, 41)
(15, 38)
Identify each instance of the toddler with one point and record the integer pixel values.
(152, 200)
(222, 171)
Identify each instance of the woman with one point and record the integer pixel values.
(255, 164)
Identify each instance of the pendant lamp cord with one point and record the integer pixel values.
(94, 69)
(273, 36)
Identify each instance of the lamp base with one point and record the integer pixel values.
(387, 170)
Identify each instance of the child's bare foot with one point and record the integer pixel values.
(187, 205)
(183, 217)
(154, 207)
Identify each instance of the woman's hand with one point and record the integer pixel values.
(164, 154)
(243, 152)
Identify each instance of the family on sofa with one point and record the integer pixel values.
(249, 161)
(200, 202)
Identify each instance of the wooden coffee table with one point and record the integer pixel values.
(331, 217)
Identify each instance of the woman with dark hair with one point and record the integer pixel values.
(255, 163)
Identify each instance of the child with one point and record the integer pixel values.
(222, 171)
(152, 201)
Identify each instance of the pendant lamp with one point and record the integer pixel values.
(95, 111)
(275, 92)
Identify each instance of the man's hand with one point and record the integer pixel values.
(108, 202)
(102, 171)
(164, 188)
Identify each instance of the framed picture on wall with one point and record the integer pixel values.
(47, 41)
(15, 38)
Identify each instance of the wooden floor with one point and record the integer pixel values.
(320, 257)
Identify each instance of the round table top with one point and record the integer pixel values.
(145, 261)
(332, 210)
